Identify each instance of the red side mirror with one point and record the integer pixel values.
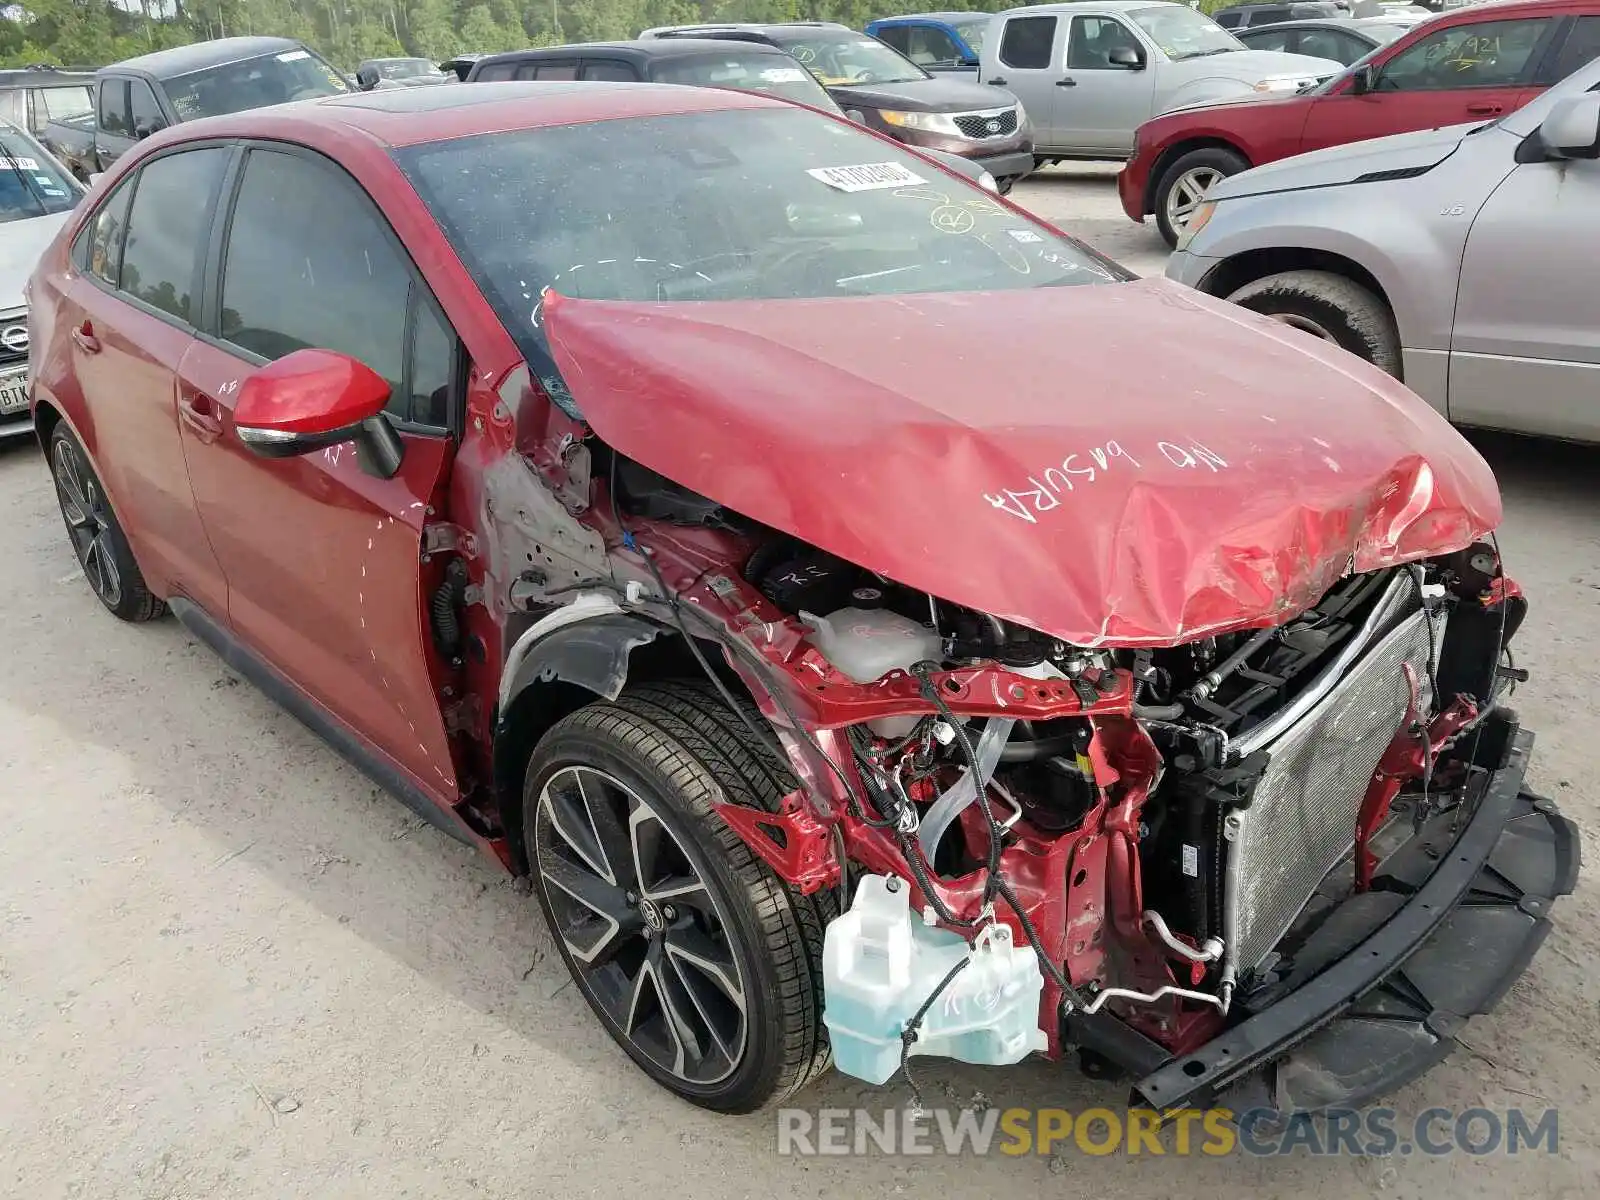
(316, 398)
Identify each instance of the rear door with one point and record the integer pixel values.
(1469, 71)
(130, 311)
(322, 559)
(1025, 65)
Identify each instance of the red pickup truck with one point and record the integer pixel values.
(1470, 64)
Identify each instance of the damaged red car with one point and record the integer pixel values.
(645, 485)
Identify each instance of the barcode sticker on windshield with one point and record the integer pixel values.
(22, 164)
(868, 177)
(783, 75)
(293, 55)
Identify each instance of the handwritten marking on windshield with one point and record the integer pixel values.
(1047, 487)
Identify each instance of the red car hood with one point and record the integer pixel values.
(1119, 464)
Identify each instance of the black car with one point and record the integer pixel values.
(1248, 16)
(136, 97)
(886, 91)
(693, 62)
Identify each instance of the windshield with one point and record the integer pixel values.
(254, 83)
(760, 204)
(849, 58)
(973, 31)
(1184, 33)
(404, 68)
(32, 184)
(746, 73)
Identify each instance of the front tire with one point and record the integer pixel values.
(699, 961)
(1331, 307)
(1186, 182)
(97, 539)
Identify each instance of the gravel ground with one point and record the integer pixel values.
(230, 967)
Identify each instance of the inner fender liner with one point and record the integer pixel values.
(592, 654)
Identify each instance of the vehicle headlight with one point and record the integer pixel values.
(927, 122)
(1197, 222)
(1022, 115)
(1280, 83)
(987, 183)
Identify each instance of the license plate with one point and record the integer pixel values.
(13, 392)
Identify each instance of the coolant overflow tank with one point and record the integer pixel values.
(879, 967)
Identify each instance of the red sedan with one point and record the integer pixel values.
(1477, 63)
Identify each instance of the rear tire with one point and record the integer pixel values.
(1183, 186)
(1331, 307)
(699, 961)
(96, 538)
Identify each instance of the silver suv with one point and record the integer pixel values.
(1091, 72)
(1459, 259)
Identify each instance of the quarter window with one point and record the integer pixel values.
(99, 247)
(1483, 54)
(1027, 42)
(310, 262)
(172, 205)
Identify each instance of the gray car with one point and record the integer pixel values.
(1091, 72)
(1459, 259)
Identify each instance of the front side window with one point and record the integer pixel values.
(1092, 41)
(769, 73)
(99, 247)
(172, 205)
(1027, 42)
(1327, 43)
(843, 60)
(1579, 50)
(254, 83)
(750, 204)
(1184, 32)
(931, 46)
(1273, 37)
(146, 112)
(114, 108)
(496, 73)
(1483, 54)
(896, 37)
(310, 262)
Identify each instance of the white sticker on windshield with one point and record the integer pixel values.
(293, 55)
(24, 164)
(1024, 235)
(783, 75)
(868, 177)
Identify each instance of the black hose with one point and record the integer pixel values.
(1017, 752)
(446, 620)
(1158, 712)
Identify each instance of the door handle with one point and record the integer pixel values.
(1069, 81)
(997, 82)
(84, 336)
(1485, 109)
(201, 414)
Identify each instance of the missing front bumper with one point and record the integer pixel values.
(1446, 931)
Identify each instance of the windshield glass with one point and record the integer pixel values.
(1184, 33)
(759, 204)
(32, 184)
(847, 58)
(972, 31)
(746, 73)
(405, 68)
(254, 83)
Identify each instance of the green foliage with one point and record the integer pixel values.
(95, 32)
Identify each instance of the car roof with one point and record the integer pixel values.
(398, 117)
(1080, 5)
(672, 47)
(181, 60)
(949, 18)
(768, 28)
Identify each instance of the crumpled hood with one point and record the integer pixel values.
(1408, 152)
(21, 244)
(1121, 464)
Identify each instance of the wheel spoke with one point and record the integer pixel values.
(566, 803)
(600, 919)
(662, 868)
(69, 488)
(110, 579)
(650, 1015)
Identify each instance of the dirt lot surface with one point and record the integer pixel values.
(230, 967)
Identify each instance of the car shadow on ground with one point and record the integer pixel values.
(270, 798)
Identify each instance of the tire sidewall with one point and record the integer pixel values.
(129, 602)
(1226, 161)
(761, 1064)
(1328, 315)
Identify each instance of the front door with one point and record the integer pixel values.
(322, 559)
(130, 311)
(1101, 103)
(1525, 351)
(1471, 72)
(113, 135)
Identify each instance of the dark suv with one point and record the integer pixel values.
(878, 86)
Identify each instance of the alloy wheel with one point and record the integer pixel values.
(89, 522)
(1187, 193)
(646, 936)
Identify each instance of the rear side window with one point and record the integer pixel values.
(1027, 41)
(496, 73)
(172, 206)
(1483, 54)
(114, 108)
(1581, 48)
(60, 104)
(1268, 39)
(615, 72)
(311, 262)
(98, 249)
